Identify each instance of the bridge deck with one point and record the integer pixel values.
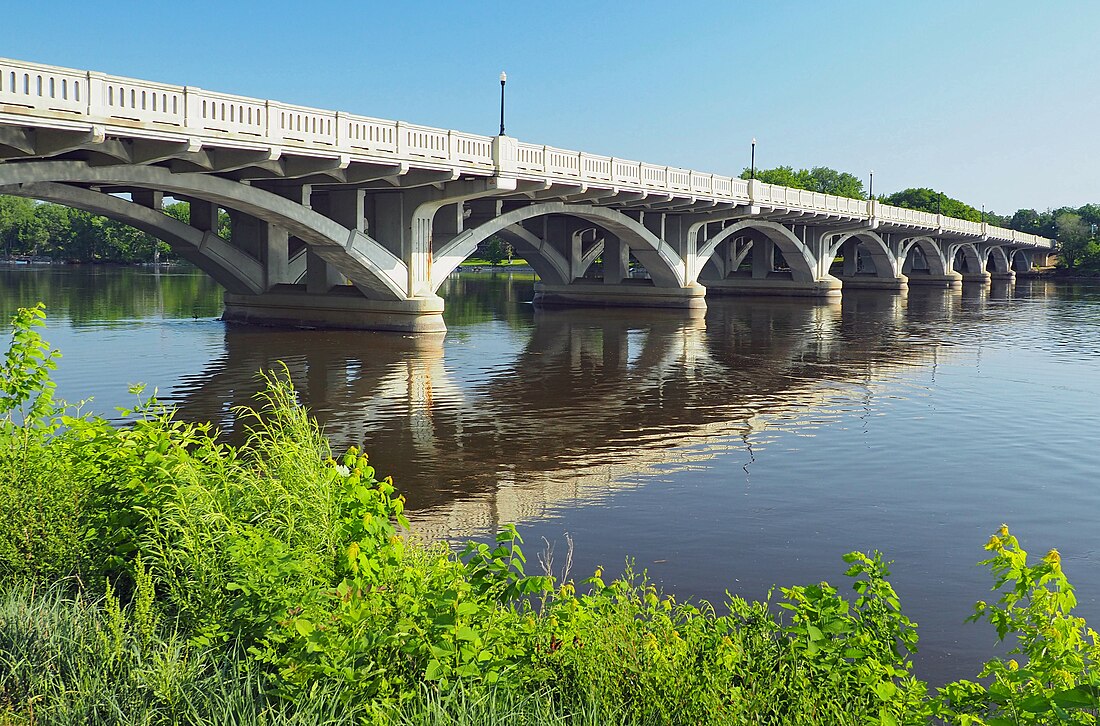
(357, 150)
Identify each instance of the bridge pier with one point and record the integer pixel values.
(948, 281)
(342, 306)
(872, 281)
(626, 293)
(775, 285)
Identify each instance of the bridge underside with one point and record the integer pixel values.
(323, 242)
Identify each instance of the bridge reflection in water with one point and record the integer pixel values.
(590, 403)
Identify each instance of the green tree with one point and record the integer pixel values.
(783, 176)
(20, 230)
(930, 200)
(818, 179)
(496, 251)
(1073, 235)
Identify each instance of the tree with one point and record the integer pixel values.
(497, 251)
(930, 200)
(819, 179)
(20, 230)
(1073, 239)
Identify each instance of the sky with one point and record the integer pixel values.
(994, 102)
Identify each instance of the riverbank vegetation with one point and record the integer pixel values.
(150, 573)
(52, 231)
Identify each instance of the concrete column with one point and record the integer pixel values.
(763, 258)
(447, 224)
(345, 207)
(148, 198)
(387, 210)
(267, 243)
(616, 260)
(204, 216)
(850, 250)
(815, 240)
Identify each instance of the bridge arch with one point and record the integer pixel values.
(937, 263)
(996, 260)
(230, 267)
(372, 268)
(1020, 260)
(546, 261)
(664, 265)
(975, 262)
(794, 251)
(886, 264)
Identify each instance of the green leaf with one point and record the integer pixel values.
(433, 671)
(886, 690)
(885, 718)
(814, 633)
(465, 632)
(1035, 704)
(303, 626)
(1082, 696)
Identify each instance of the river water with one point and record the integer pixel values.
(750, 447)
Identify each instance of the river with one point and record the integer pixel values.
(750, 447)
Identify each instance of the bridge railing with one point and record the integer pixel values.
(52, 91)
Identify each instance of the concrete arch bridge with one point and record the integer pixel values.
(349, 221)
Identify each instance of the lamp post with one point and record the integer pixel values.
(503, 80)
(752, 160)
(983, 214)
(871, 186)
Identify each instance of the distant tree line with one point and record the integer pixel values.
(37, 229)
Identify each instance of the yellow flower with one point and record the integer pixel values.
(1054, 557)
(994, 543)
(1003, 531)
(1013, 665)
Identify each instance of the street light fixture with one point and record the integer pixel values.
(503, 80)
(871, 186)
(752, 160)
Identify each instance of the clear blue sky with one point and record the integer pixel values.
(994, 102)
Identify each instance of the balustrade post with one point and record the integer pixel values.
(97, 95)
(506, 154)
(192, 107)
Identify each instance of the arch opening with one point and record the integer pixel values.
(663, 265)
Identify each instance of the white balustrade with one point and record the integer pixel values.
(44, 88)
(626, 172)
(471, 149)
(300, 124)
(531, 158)
(221, 112)
(125, 101)
(422, 141)
(367, 135)
(564, 163)
(654, 177)
(596, 168)
(131, 100)
(679, 179)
